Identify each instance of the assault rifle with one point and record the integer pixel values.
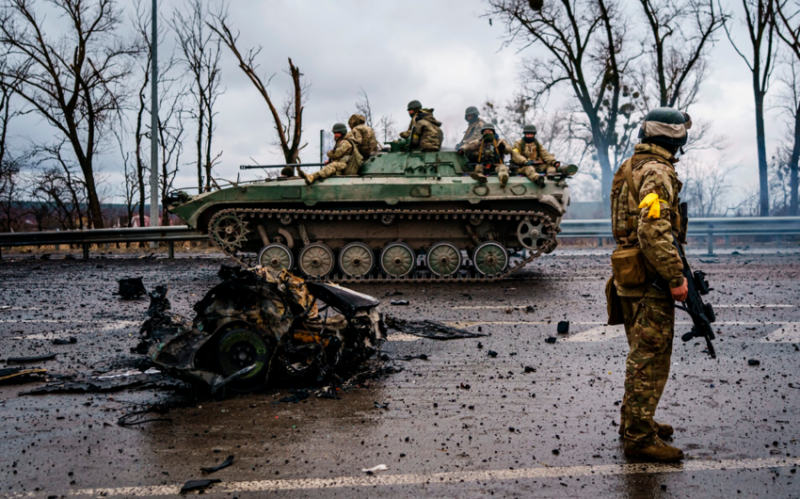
(291, 165)
(702, 314)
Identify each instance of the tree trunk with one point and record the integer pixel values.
(793, 166)
(763, 179)
(95, 212)
(200, 122)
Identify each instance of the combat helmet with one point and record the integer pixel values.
(666, 126)
(339, 128)
(471, 110)
(488, 126)
(414, 104)
(529, 129)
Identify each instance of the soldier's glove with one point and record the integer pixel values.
(460, 152)
(530, 163)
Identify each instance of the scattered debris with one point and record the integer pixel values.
(429, 329)
(22, 375)
(254, 327)
(795, 386)
(102, 384)
(35, 358)
(134, 418)
(529, 369)
(753, 362)
(131, 288)
(198, 484)
(492, 354)
(563, 327)
(65, 341)
(375, 469)
(227, 462)
(295, 397)
(421, 356)
(465, 387)
(550, 339)
(398, 302)
(384, 406)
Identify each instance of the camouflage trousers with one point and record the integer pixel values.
(530, 172)
(650, 327)
(500, 169)
(331, 169)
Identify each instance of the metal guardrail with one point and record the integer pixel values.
(698, 227)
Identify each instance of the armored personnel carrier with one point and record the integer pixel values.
(408, 215)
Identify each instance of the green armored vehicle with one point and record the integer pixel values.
(408, 215)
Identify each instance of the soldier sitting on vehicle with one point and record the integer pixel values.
(345, 159)
(424, 132)
(475, 123)
(363, 135)
(487, 153)
(534, 160)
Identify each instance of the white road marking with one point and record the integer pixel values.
(788, 333)
(522, 307)
(402, 337)
(602, 323)
(599, 333)
(450, 478)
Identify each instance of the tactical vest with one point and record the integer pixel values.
(488, 153)
(528, 151)
(625, 211)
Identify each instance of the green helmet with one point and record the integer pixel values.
(666, 125)
(471, 110)
(414, 104)
(529, 129)
(487, 126)
(339, 128)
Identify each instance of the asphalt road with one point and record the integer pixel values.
(460, 424)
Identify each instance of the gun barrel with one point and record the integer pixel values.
(568, 170)
(254, 167)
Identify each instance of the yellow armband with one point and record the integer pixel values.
(515, 150)
(653, 202)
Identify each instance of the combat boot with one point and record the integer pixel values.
(664, 430)
(503, 177)
(480, 177)
(655, 451)
(308, 178)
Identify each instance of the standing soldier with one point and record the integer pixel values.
(645, 219)
(363, 135)
(474, 125)
(531, 156)
(487, 152)
(345, 159)
(424, 131)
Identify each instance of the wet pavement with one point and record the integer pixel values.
(460, 424)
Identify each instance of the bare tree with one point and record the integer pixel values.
(9, 165)
(681, 32)
(363, 106)
(759, 20)
(386, 126)
(705, 187)
(289, 119)
(788, 29)
(170, 139)
(57, 185)
(76, 82)
(586, 46)
(201, 55)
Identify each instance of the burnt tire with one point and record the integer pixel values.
(240, 348)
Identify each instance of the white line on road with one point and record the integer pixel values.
(599, 333)
(452, 478)
(515, 307)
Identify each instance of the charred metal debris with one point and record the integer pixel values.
(254, 328)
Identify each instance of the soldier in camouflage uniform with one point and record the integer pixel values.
(475, 124)
(363, 135)
(645, 218)
(344, 158)
(424, 130)
(533, 159)
(488, 153)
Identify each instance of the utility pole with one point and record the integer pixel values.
(154, 123)
(321, 145)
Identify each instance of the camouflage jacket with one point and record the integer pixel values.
(522, 152)
(343, 149)
(428, 134)
(482, 151)
(363, 135)
(473, 132)
(652, 172)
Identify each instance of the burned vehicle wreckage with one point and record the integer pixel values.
(255, 327)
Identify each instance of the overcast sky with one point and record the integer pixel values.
(441, 52)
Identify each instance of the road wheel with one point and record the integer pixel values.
(276, 257)
(229, 232)
(444, 259)
(530, 234)
(316, 260)
(356, 260)
(398, 259)
(240, 348)
(490, 258)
